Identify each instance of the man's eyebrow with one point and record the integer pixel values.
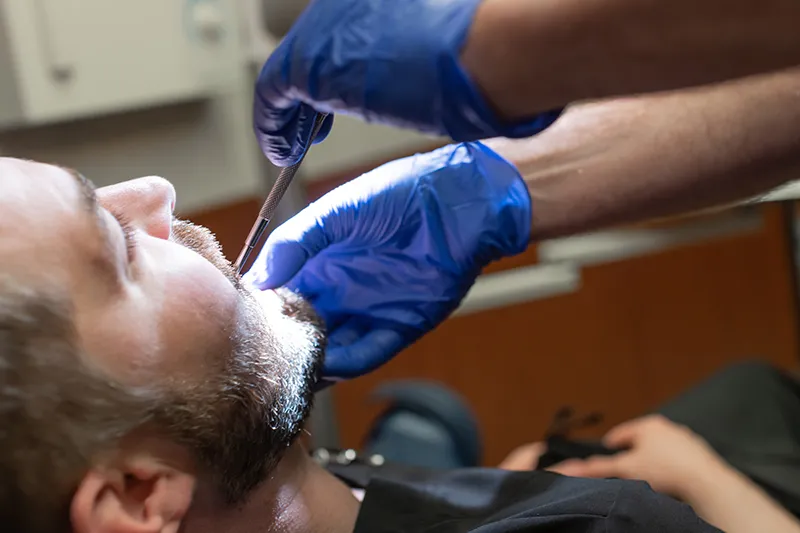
(86, 189)
(103, 261)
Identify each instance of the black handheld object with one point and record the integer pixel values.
(273, 199)
(561, 448)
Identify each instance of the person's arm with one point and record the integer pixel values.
(638, 158)
(528, 57)
(718, 493)
(726, 498)
(677, 462)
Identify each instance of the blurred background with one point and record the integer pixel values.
(615, 322)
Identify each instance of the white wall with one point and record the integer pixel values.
(353, 143)
(205, 149)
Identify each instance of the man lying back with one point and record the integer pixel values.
(144, 389)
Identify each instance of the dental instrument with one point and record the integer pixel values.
(268, 209)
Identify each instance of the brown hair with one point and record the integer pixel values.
(56, 414)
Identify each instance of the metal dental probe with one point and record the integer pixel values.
(275, 194)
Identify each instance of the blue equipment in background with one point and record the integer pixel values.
(425, 425)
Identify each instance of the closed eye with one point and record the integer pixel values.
(129, 233)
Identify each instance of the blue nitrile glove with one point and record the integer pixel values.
(388, 256)
(389, 61)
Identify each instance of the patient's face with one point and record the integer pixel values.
(156, 304)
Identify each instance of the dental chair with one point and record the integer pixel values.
(424, 425)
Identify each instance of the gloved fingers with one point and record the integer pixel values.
(274, 112)
(304, 122)
(350, 355)
(287, 249)
(283, 123)
(325, 130)
(284, 132)
(276, 265)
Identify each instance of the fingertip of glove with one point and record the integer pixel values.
(306, 121)
(282, 159)
(282, 261)
(279, 130)
(275, 147)
(325, 130)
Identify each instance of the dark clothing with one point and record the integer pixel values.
(402, 499)
(750, 414)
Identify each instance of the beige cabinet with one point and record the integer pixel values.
(67, 59)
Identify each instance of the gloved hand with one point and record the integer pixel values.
(393, 62)
(388, 256)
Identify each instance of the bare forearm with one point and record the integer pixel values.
(633, 159)
(530, 57)
(728, 500)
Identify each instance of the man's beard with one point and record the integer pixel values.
(241, 419)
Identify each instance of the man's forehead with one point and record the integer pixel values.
(30, 188)
(39, 204)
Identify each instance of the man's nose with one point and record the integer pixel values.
(147, 203)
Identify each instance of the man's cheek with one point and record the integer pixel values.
(187, 273)
(121, 340)
(189, 288)
(202, 294)
(198, 322)
(197, 285)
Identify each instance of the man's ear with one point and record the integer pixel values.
(141, 495)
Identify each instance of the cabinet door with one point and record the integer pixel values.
(83, 57)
